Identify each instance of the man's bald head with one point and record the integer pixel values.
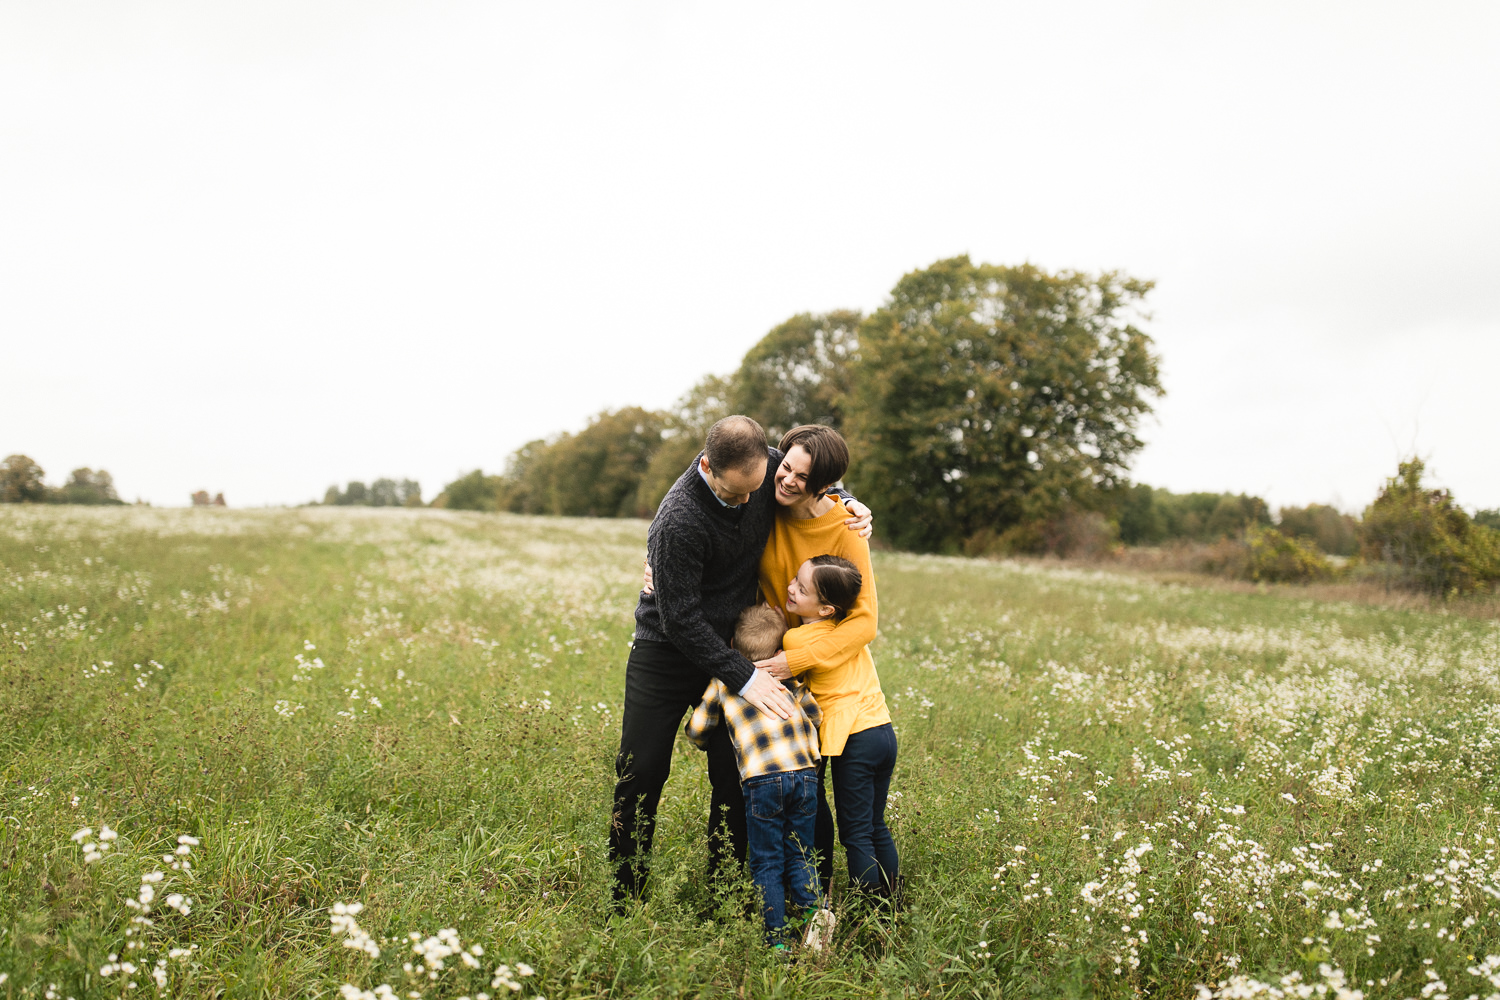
(736, 444)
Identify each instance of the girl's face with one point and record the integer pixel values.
(802, 595)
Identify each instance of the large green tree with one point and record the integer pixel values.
(799, 373)
(687, 425)
(594, 473)
(986, 398)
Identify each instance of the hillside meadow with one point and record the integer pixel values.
(369, 752)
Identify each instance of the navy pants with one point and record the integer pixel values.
(861, 781)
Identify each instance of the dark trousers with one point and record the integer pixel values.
(861, 781)
(660, 686)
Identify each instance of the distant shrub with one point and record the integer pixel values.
(1279, 558)
(1229, 557)
(1078, 534)
(1488, 518)
(1072, 534)
(1329, 529)
(474, 491)
(85, 486)
(1425, 540)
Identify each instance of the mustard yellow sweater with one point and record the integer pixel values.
(834, 657)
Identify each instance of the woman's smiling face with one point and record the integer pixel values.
(791, 476)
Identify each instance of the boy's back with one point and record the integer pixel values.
(762, 744)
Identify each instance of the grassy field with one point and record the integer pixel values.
(1107, 787)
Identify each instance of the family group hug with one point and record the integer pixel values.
(757, 615)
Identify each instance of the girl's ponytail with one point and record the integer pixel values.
(838, 582)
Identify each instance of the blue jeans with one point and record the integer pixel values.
(780, 811)
(861, 781)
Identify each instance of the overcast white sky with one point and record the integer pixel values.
(264, 247)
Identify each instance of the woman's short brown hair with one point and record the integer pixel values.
(827, 450)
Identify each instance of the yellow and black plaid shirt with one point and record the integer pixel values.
(763, 744)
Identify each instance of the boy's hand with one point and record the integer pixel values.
(769, 696)
(646, 587)
(776, 666)
(863, 520)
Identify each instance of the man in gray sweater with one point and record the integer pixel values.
(704, 549)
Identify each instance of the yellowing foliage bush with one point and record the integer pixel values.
(1279, 558)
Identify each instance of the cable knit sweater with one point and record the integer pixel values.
(705, 559)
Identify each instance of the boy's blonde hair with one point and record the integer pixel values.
(758, 632)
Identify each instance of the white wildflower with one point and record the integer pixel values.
(342, 924)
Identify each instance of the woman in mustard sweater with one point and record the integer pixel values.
(856, 734)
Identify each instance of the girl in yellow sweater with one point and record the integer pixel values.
(863, 750)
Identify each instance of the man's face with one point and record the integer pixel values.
(734, 486)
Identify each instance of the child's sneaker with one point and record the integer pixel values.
(820, 931)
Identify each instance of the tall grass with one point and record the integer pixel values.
(1108, 785)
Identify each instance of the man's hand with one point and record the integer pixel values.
(863, 520)
(647, 587)
(776, 666)
(767, 694)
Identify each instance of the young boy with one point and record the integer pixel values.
(778, 761)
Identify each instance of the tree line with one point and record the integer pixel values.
(380, 493)
(1412, 535)
(1144, 515)
(989, 410)
(22, 480)
(979, 401)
